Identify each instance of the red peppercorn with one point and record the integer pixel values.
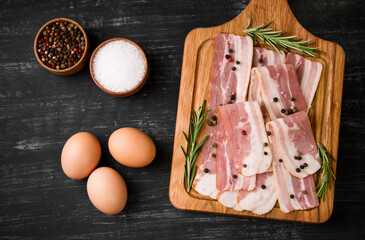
(78, 41)
(53, 64)
(48, 31)
(39, 41)
(57, 45)
(243, 132)
(75, 49)
(230, 59)
(58, 56)
(55, 34)
(47, 44)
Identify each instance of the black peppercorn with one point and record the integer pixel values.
(227, 56)
(292, 196)
(209, 123)
(233, 97)
(230, 50)
(283, 110)
(266, 144)
(234, 176)
(214, 118)
(268, 133)
(292, 99)
(280, 160)
(206, 170)
(238, 62)
(305, 165)
(213, 155)
(233, 68)
(259, 60)
(265, 153)
(263, 186)
(301, 167)
(275, 99)
(244, 165)
(297, 170)
(214, 145)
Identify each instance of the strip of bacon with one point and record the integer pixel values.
(228, 179)
(246, 134)
(280, 90)
(261, 200)
(293, 193)
(262, 57)
(229, 199)
(224, 81)
(295, 144)
(309, 73)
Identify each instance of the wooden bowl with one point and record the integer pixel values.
(73, 69)
(126, 93)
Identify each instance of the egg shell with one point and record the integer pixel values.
(107, 190)
(132, 147)
(80, 155)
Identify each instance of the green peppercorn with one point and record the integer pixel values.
(214, 145)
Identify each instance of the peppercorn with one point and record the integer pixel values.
(266, 144)
(238, 62)
(298, 170)
(230, 59)
(209, 123)
(292, 196)
(214, 122)
(233, 68)
(298, 154)
(304, 192)
(290, 111)
(292, 99)
(295, 157)
(265, 153)
(213, 155)
(275, 99)
(243, 132)
(301, 167)
(229, 102)
(244, 165)
(263, 186)
(234, 176)
(286, 112)
(214, 145)
(305, 165)
(214, 118)
(283, 110)
(299, 158)
(280, 160)
(233, 93)
(233, 97)
(259, 60)
(268, 133)
(230, 50)
(206, 170)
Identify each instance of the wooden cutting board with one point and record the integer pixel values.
(194, 88)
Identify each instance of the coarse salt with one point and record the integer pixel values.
(119, 66)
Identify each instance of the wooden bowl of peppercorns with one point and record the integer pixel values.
(62, 47)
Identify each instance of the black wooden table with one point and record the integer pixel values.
(39, 111)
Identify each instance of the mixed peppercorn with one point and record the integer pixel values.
(61, 45)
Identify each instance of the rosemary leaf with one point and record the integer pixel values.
(273, 38)
(193, 148)
(326, 172)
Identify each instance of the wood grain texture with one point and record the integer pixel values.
(195, 82)
(40, 111)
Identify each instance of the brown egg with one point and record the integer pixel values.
(80, 155)
(132, 147)
(107, 190)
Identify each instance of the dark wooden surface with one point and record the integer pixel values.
(39, 111)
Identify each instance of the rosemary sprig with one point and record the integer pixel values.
(326, 172)
(193, 148)
(273, 38)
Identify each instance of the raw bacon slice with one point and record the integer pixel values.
(280, 90)
(293, 193)
(265, 57)
(229, 199)
(228, 178)
(224, 81)
(295, 144)
(261, 200)
(246, 134)
(262, 57)
(309, 72)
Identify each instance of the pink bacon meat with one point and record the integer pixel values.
(309, 74)
(295, 144)
(245, 130)
(261, 200)
(293, 193)
(262, 57)
(224, 81)
(280, 90)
